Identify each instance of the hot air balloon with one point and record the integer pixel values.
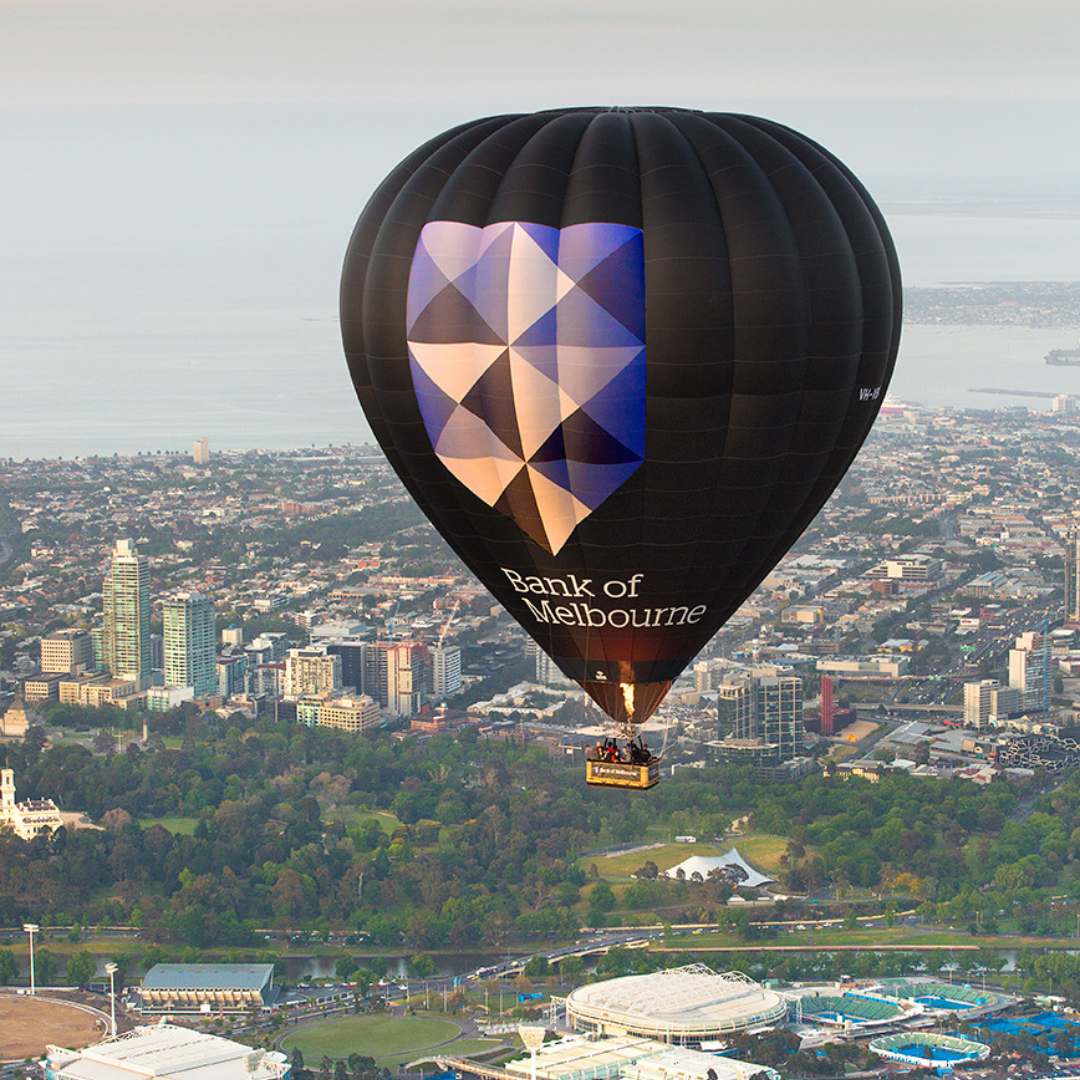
(621, 358)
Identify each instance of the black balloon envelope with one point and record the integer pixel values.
(621, 358)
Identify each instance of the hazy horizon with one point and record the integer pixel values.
(180, 179)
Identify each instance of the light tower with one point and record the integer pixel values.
(31, 928)
(111, 969)
(532, 1038)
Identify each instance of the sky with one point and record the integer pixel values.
(179, 178)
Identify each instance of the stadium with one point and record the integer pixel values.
(682, 1005)
(928, 1051)
(942, 997)
(851, 1011)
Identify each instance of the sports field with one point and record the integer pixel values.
(406, 1038)
(27, 1024)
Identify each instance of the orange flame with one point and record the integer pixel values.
(628, 698)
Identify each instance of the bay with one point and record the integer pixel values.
(128, 342)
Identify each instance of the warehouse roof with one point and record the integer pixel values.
(209, 977)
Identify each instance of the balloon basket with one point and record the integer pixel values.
(621, 775)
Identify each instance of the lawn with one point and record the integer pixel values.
(665, 857)
(351, 818)
(460, 1048)
(374, 1036)
(181, 826)
(762, 852)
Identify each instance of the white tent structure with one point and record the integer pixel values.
(705, 864)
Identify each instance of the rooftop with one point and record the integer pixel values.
(208, 977)
(166, 1052)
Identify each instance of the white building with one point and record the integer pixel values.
(1029, 669)
(445, 671)
(165, 1052)
(311, 671)
(25, 819)
(70, 651)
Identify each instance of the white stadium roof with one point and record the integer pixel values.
(705, 864)
(578, 1057)
(681, 1003)
(165, 1052)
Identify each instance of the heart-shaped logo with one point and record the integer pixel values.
(527, 351)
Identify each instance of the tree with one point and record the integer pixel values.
(45, 967)
(81, 968)
(601, 901)
(422, 966)
(9, 967)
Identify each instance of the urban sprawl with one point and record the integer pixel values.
(922, 636)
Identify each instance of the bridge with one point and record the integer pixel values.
(872, 707)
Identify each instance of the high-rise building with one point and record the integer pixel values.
(70, 651)
(780, 713)
(311, 671)
(277, 642)
(405, 678)
(231, 675)
(828, 707)
(760, 717)
(445, 671)
(545, 670)
(200, 451)
(978, 703)
(1072, 579)
(189, 643)
(709, 675)
(1029, 669)
(126, 633)
(353, 653)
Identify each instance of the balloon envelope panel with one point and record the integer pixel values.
(621, 358)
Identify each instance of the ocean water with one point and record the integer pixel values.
(148, 336)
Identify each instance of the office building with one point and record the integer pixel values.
(164, 698)
(126, 632)
(545, 670)
(735, 709)
(978, 705)
(354, 714)
(43, 687)
(395, 676)
(828, 706)
(445, 671)
(1072, 579)
(353, 653)
(69, 651)
(233, 635)
(189, 643)
(277, 642)
(709, 675)
(200, 451)
(405, 678)
(311, 671)
(231, 676)
(760, 718)
(1029, 669)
